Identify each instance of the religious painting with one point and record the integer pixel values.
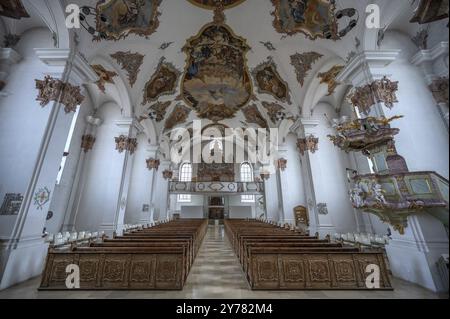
(179, 115)
(269, 81)
(211, 4)
(13, 9)
(216, 83)
(310, 17)
(163, 82)
(252, 115)
(117, 19)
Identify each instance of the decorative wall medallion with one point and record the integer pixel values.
(329, 78)
(269, 81)
(216, 82)
(13, 9)
(87, 142)
(430, 11)
(167, 174)
(302, 63)
(439, 88)
(130, 62)
(322, 208)
(153, 163)
(211, 4)
(51, 89)
(11, 204)
(310, 143)
(376, 92)
(275, 111)
(309, 17)
(104, 75)
(282, 164)
(41, 197)
(158, 110)
(117, 19)
(163, 82)
(252, 115)
(124, 143)
(179, 115)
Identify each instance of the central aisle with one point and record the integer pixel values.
(216, 272)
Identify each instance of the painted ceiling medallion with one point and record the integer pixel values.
(13, 9)
(158, 110)
(216, 82)
(179, 115)
(163, 82)
(117, 19)
(252, 115)
(269, 81)
(105, 76)
(211, 4)
(275, 111)
(329, 78)
(302, 63)
(130, 62)
(309, 17)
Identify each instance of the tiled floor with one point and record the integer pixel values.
(217, 274)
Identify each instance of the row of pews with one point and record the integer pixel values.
(279, 258)
(150, 258)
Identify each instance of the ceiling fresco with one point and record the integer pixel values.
(117, 19)
(269, 81)
(13, 9)
(211, 4)
(309, 17)
(216, 82)
(179, 115)
(302, 62)
(329, 78)
(104, 75)
(252, 115)
(163, 82)
(130, 62)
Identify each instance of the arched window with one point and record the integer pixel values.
(247, 176)
(185, 176)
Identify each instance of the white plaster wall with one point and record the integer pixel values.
(331, 182)
(195, 212)
(23, 119)
(139, 193)
(423, 139)
(99, 197)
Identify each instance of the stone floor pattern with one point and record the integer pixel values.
(216, 274)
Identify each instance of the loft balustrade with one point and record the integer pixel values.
(239, 188)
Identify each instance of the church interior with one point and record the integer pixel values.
(224, 149)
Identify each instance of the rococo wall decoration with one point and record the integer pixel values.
(117, 19)
(379, 91)
(51, 89)
(163, 82)
(275, 111)
(13, 9)
(211, 4)
(302, 63)
(329, 78)
(130, 62)
(104, 75)
(309, 17)
(158, 111)
(216, 82)
(269, 81)
(125, 143)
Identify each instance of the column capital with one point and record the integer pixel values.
(355, 72)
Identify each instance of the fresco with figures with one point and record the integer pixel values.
(304, 16)
(216, 82)
(116, 19)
